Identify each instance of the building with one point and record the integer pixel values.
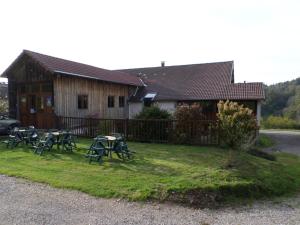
(42, 87)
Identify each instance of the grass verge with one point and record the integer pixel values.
(265, 141)
(187, 174)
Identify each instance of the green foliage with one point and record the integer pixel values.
(279, 122)
(265, 141)
(283, 99)
(185, 113)
(153, 112)
(3, 105)
(157, 171)
(237, 125)
(189, 125)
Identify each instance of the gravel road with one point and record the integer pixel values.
(286, 141)
(23, 202)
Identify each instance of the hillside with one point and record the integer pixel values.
(283, 99)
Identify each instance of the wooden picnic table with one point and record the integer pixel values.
(110, 144)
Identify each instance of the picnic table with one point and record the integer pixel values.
(110, 144)
(18, 135)
(105, 145)
(58, 138)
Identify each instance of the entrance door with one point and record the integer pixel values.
(45, 115)
(36, 105)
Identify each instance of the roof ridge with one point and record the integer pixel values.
(192, 64)
(54, 57)
(247, 83)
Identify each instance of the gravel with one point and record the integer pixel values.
(24, 202)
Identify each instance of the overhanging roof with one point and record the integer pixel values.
(67, 67)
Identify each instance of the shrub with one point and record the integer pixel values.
(190, 125)
(3, 105)
(265, 141)
(279, 122)
(149, 130)
(237, 125)
(153, 112)
(187, 112)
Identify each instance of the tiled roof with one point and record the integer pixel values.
(67, 67)
(209, 81)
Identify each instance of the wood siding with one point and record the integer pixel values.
(67, 89)
(22, 77)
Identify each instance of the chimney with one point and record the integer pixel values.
(162, 63)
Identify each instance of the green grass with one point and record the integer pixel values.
(156, 171)
(265, 141)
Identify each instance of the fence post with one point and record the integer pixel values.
(126, 128)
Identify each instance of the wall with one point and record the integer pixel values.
(67, 89)
(258, 112)
(169, 106)
(135, 108)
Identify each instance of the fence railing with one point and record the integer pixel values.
(202, 132)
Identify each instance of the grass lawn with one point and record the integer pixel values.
(157, 172)
(265, 141)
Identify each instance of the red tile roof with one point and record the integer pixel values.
(209, 81)
(57, 65)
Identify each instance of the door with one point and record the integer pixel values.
(36, 105)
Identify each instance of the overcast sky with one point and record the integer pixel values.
(262, 37)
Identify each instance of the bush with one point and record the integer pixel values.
(279, 122)
(153, 112)
(189, 127)
(265, 141)
(237, 125)
(3, 105)
(187, 112)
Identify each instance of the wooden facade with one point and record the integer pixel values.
(68, 88)
(37, 97)
(30, 97)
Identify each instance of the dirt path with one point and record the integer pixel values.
(286, 141)
(23, 202)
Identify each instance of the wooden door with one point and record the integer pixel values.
(45, 114)
(36, 105)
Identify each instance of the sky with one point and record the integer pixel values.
(262, 37)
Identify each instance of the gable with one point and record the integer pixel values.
(69, 68)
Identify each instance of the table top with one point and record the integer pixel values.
(22, 130)
(111, 138)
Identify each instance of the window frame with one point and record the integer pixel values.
(82, 101)
(110, 101)
(122, 101)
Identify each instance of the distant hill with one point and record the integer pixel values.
(3, 90)
(283, 99)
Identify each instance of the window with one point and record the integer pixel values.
(82, 101)
(121, 101)
(32, 104)
(40, 103)
(148, 99)
(111, 101)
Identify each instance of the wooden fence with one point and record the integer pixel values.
(202, 132)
